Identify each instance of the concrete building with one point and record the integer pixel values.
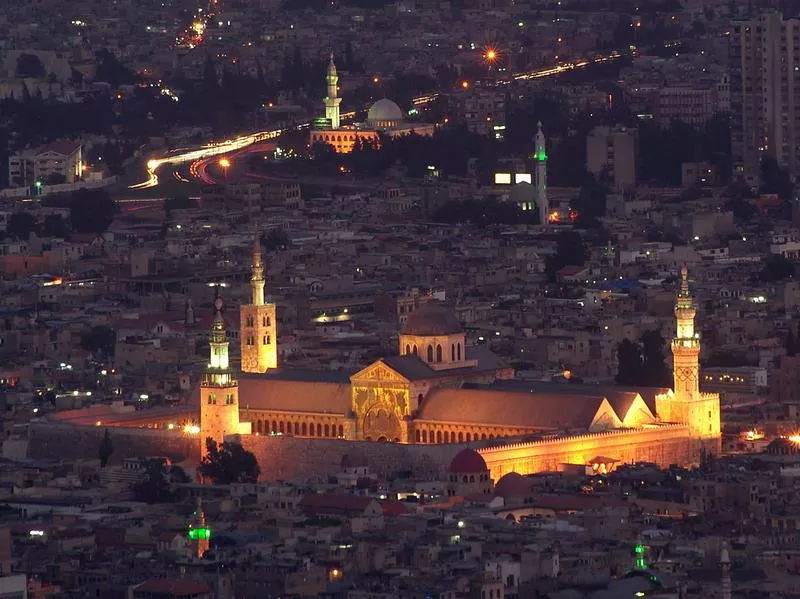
(611, 152)
(38, 165)
(765, 82)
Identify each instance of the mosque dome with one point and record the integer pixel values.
(512, 484)
(384, 113)
(468, 461)
(782, 446)
(430, 320)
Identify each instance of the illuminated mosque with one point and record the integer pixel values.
(383, 118)
(438, 389)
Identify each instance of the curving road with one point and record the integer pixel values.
(201, 157)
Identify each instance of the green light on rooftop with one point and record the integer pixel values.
(196, 534)
(639, 562)
(38, 184)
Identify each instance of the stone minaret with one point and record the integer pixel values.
(199, 534)
(686, 404)
(219, 391)
(258, 326)
(540, 176)
(725, 565)
(332, 100)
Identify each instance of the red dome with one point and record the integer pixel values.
(512, 484)
(468, 461)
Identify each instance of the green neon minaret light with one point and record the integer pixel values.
(540, 156)
(639, 562)
(196, 534)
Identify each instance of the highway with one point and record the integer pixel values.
(200, 157)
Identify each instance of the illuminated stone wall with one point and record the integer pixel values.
(70, 442)
(663, 445)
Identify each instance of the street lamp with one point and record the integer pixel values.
(225, 164)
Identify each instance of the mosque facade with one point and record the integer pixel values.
(384, 117)
(438, 389)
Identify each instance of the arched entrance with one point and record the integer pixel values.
(380, 424)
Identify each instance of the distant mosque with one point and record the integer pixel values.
(383, 118)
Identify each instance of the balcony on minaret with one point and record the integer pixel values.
(686, 343)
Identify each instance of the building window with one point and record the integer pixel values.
(229, 399)
(438, 353)
(408, 349)
(212, 399)
(453, 352)
(266, 340)
(266, 321)
(415, 350)
(250, 321)
(304, 429)
(341, 431)
(250, 340)
(458, 352)
(430, 353)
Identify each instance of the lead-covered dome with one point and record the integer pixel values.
(468, 461)
(430, 320)
(384, 113)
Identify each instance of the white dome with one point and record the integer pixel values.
(384, 110)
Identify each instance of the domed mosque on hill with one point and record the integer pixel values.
(438, 389)
(384, 117)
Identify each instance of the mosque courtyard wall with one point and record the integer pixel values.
(284, 457)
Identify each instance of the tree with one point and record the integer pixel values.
(154, 486)
(20, 225)
(91, 211)
(106, 449)
(55, 225)
(178, 475)
(275, 239)
(776, 268)
(100, 339)
(229, 463)
(29, 65)
(629, 363)
(775, 179)
(570, 251)
(655, 372)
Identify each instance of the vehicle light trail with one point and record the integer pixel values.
(198, 156)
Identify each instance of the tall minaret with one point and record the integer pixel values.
(685, 345)
(686, 404)
(725, 565)
(332, 100)
(258, 322)
(219, 391)
(540, 175)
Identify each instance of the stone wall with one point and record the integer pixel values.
(70, 442)
(283, 458)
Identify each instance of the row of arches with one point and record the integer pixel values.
(298, 428)
(427, 436)
(438, 353)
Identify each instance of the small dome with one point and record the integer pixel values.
(431, 319)
(384, 110)
(512, 484)
(354, 459)
(468, 461)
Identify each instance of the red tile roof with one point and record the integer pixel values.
(63, 147)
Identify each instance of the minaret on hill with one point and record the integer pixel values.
(199, 534)
(258, 322)
(219, 391)
(686, 404)
(332, 100)
(540, 175)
